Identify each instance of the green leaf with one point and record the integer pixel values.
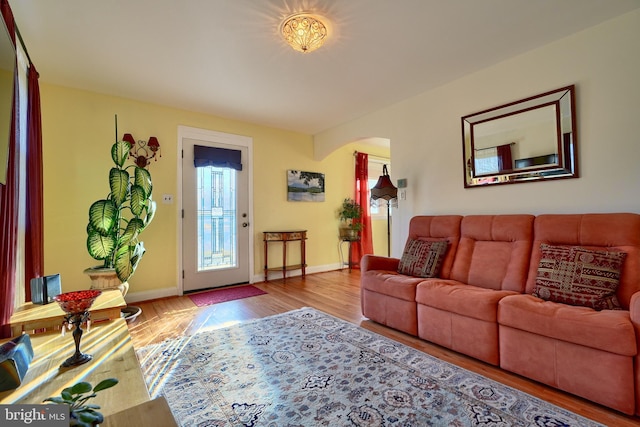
(142, 178)
(131, 231)
(81, 398)
(55, 399)
(119, 184)
(81, 387)
(122, 264)
(90, 407)
(103, 216)
(126, 260)
(138, 200)
(99, 246)
(105, 384)
(120, 152)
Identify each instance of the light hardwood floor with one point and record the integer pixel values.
(336, 293)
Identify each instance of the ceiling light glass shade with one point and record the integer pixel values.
(304, 32)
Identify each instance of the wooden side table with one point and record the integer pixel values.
(29, 317)
(351, 264)
(285, 237)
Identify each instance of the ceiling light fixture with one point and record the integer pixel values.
(304, 32)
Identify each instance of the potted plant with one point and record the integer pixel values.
(82, 413)
(349, 213)
(116, 221)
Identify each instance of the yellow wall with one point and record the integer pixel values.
(78, 131)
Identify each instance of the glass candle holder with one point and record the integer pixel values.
(76, 305)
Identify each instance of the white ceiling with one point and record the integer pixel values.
(226, 58)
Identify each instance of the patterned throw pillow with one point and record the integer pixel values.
(578, 276)
(423, 258)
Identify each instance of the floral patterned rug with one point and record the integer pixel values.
(307, 368)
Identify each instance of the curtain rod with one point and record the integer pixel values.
(355, 153)
(24, 46)
(495, 146)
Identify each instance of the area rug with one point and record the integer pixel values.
(223, 295)
(307, 368)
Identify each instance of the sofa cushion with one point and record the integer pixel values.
(423, 257)
(391, 284)
(455, 297)
(578, 276)
(607, 330)
(494, 251)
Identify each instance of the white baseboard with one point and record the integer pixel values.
(257, 278)
(133, 297)
(149, 295)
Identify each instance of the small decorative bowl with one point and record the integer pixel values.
(77, 301)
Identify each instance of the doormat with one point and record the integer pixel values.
(223, 295)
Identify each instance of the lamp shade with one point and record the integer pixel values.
(384, 188)
(129, 138)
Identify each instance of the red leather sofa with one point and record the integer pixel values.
(482, 302)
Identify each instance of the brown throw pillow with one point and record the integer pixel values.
(578, 276)
(423, 258)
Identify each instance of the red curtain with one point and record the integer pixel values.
(34, 239)
(365, 245)
(9, 209)
(505, 159)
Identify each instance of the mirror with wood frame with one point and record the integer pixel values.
(531, 139)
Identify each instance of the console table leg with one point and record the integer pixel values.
(284, 259)
(266, 263)
(303, 256)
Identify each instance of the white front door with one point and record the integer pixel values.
(216, 212)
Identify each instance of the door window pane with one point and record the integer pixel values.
(216, 236)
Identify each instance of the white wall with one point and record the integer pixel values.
(426, 143)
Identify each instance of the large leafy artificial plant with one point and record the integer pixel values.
(116, 221)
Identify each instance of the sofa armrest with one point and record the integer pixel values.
(374, 262)
(634, 310)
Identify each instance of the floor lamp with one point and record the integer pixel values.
(385, 190)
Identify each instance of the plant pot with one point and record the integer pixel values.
(73, 421)
(347, 233)
(130, 313)
(106, 278)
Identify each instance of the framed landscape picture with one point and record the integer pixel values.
(305, 186)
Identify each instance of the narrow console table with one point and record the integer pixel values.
(284, 237)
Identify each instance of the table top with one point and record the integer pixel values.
(285, 235)
(154, 413)
(113, 357)
(29, 312)
(286, 232)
